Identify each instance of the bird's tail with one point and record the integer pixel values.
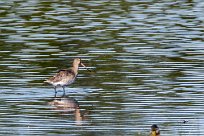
(46, 81)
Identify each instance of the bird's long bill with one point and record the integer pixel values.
(84, 66)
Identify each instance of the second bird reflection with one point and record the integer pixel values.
(65, 104)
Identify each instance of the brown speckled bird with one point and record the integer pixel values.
(65, 77)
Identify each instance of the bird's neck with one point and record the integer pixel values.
(75, 69)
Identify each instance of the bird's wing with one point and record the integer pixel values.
(61, 75)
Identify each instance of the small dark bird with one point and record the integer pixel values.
(185, 121)
(154, 130)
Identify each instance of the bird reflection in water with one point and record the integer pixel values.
(68, 105)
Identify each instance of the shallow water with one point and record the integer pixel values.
(146, 60)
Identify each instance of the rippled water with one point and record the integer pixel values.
(146, 59)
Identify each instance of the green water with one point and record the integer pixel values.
(146, 60)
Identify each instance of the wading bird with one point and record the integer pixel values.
(65, 77)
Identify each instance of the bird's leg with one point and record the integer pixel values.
(55, 91)
(63, 90)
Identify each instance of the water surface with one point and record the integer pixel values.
(147, 60)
